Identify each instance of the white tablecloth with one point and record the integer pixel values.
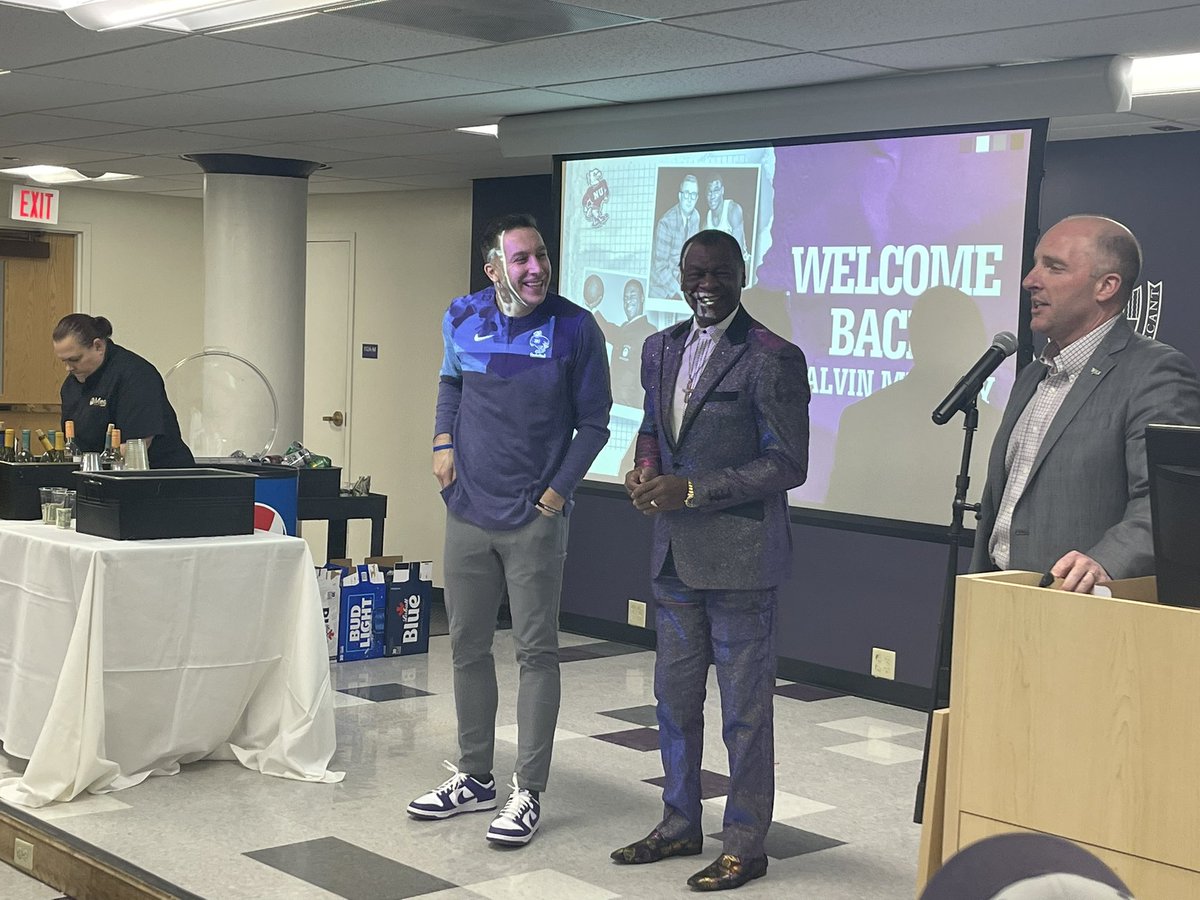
(125, 659)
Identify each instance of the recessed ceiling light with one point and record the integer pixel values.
(1165, 74)
(179, 15)
(489, 130)
(62, 175)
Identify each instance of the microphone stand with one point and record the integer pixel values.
(940, 695)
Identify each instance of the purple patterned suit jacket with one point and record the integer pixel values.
(743, 442)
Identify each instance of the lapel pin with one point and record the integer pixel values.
(1096, 371)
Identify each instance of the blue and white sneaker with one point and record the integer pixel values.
(518, 820)
(457, 794)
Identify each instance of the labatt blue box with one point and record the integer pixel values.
(410, 591)
(363, 615)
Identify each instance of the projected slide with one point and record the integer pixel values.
(890, 262)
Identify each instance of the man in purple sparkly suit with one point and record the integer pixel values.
(725, 435)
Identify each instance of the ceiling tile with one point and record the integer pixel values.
(518, 20)
(430, 182)
(148, 185)
(308, 127)
(145, 166)
(22, 92)
(161, 142)
(350, 88)
(1172, 31)
(1175, 107)
(762, 74)
(393, 167)
(351, 186)
(1101, 131)
(350, 38)
(190, 63)
(309, 151)
(830, 24)
(35, 128)
(163, 111)
(629, 50)
(663, 9)
(54, 155)
(426, 143)
(472, 109)
(31, 37)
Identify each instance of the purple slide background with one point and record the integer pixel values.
(925, 190)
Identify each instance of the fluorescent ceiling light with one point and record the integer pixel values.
(181, 15)
(62, 175)
(489, 130)
(1165, 74)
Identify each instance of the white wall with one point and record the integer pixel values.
(412, 256)
(143, 268)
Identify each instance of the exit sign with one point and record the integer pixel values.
(30, 204)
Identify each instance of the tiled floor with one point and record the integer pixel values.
(846, 774)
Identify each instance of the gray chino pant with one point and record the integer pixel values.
(481, 566)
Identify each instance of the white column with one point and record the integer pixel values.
(255, 231)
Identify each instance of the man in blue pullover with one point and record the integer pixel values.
(522, 412)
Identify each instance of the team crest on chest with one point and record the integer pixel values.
(539, 345)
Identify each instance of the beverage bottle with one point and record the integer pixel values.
(60, 448)
(9, 453)
(119, 448)
(111, 458)
(109, 454)
(47, 454)
(24, 455)
(71, 451)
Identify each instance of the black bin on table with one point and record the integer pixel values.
(275, 486)
(325, 482)
(164, 503)
(19, 483)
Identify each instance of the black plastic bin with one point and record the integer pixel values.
(320, 482)
(275, 486)
(19, 483)
(164, 503)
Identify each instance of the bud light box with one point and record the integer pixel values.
(410, 592)
(362, 617)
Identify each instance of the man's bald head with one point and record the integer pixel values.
(1115, 250)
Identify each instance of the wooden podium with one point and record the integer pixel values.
(1076, 716)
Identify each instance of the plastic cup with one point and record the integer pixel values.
(135, 455)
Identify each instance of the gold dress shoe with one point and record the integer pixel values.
(656, 846)
(728, 872)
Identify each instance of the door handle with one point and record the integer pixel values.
(337, 418)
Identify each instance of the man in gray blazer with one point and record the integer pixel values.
(1067, 490)
(725, 435)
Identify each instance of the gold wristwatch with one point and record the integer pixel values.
(690, 500)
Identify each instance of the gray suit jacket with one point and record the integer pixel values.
(743, 442)
(1088, 489)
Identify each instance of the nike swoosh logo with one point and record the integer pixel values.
(484, 337)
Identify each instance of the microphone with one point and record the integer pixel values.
(1003, 346)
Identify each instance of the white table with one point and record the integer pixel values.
(125, 659)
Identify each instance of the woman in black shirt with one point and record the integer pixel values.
(108, 384)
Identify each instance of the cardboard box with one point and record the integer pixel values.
(362, 614)
(329, 583)
(410, 592)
